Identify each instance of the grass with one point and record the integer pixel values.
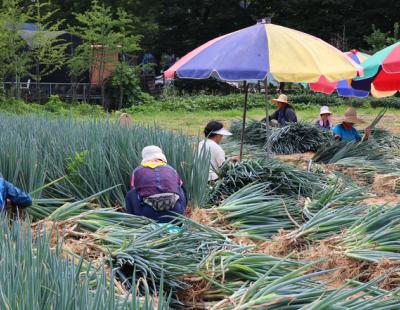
(194, 122)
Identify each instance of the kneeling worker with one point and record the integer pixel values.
(346, 131)
(157, 191)
(12, 195)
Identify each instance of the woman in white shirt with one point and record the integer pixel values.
(214, 132)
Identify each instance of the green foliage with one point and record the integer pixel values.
(104, 37)
(14, 56)
(202, 103)
(47, 49)
(34, 276)
(125, 81)
(378, 40)
(37, 149)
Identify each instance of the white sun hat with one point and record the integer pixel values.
(222, 132)
(324, 110)
(152, 152)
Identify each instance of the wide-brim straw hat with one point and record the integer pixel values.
(282, 98)
(350, 116)
(152, 152)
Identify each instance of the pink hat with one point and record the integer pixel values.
(324, 110)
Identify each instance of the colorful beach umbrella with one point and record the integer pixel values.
(343, 87)
(381, 72)
(253, 52)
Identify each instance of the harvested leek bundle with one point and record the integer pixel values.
(284, 179)
(298, 138)
(375, 236)
(257, 214)
(294, 289)
(255, 131)
(294, 138)
(339, 150)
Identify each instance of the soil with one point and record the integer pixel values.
(300, 160)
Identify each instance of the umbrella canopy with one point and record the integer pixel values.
(343, 87)
(382, 71)
(253, 52)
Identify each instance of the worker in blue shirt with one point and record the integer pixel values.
(10, 194)
(346, 131)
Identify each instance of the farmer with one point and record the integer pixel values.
(157, 191)
(214, 132)
(346, 131)
(10, 195)
(325, 119)
(285, 113)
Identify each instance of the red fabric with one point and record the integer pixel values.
(386, 81)
(391, 64)
(323, 86)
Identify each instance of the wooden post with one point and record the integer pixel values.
(268, 129)
(246, 94)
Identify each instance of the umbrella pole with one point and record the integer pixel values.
(268, 129)
(246, 94)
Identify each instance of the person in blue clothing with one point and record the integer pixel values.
(157, 190)
(285, 113)
(346, 131)
(12, 195)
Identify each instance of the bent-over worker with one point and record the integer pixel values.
(12, 195)
(157, 191)
(346, 131)
(285, 113)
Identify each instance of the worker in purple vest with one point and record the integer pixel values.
(157, 191)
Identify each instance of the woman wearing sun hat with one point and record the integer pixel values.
(346, 131)
(285, 113)
(325, 119)
(213, 133)
(157, 190)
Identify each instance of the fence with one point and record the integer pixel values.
(32, 91)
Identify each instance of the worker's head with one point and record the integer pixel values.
(215, 131)
(324, 113)
(281, 102)
(152, 152)
(351, 118)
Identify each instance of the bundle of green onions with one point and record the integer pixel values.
(284, 179)
(242, 284)
(294, 138)
(252, 212)
(298, 138)
(255, 131)
(375, 236)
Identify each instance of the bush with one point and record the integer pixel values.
(132, 92)
(390, 102)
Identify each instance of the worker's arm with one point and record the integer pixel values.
(336, 133)
(274, 115)
(367, 133)
(16, 196)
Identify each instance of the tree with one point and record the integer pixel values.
(104, 37)
(14, 54)
(378, 40)
(46, 46)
